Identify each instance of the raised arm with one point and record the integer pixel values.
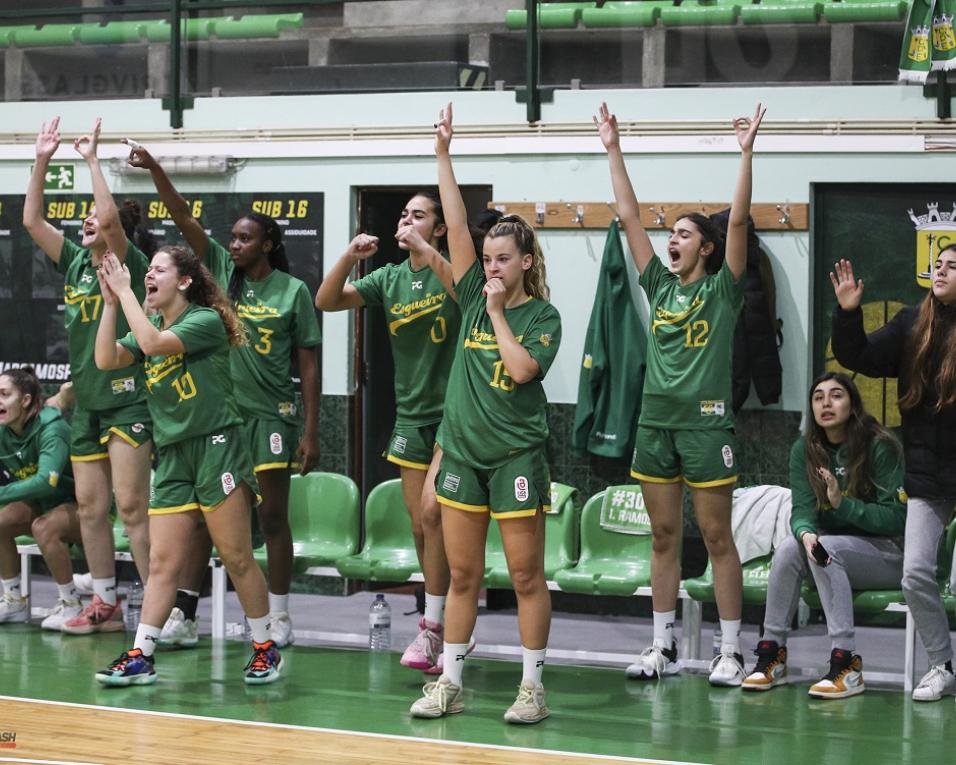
(334, 293)
(628, 209)
(461, 246)
(746, 130)
(107, 353)
(48, 238)
(107, 214)
(442, 268)
(179, 209)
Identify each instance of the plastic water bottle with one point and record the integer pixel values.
(379, 625)
(134, 605)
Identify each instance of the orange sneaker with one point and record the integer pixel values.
(98, 616)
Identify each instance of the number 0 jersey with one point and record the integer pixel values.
(97, 389)
(489, 417)
(280, 316)
(423, 321)
(687, 385)
(190, 394)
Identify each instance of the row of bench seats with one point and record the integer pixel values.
(153, 30)
(675, 13)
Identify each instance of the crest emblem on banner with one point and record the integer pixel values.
(935, 231)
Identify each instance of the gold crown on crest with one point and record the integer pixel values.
(942, 21)
(933, 217)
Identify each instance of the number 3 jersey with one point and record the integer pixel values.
(423, 323)
(687, 385)
(97, 389)
(279, 315)
(488, 416)
(190, 394)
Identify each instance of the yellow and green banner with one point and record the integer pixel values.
(929, 43)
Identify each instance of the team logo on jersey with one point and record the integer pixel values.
(123, 385)
(712, 408)
(840, 470)
(521, 489)
(87, 278)
(417, 285)
(218, 439)
(53, 478)
(250, 294)
(287, 408)
(399, 444)
(901, 495)
(935, 231)
(228, 483)
(728, 454)
(451, 482)
(588, 361)
(275, 443)
(681, 299)
(545, 340)
(137, 427)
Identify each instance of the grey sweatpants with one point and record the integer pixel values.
(856, 563)
(925, 521)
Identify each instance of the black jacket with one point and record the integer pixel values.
(929, 437)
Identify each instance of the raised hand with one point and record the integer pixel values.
(606, 124)
(443, 130)
(109, 297)
(114, 273)
(48, 139)
(139, 156)
(746, 128)
(495, 293)
(363, 246)
(848, 292)
(409, 236)
(87, 144)
(834, 495)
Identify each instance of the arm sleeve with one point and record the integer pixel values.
(68, 253)
(469, 287)
(306, 332)
(130, 344)
(885, 514)
(372, 286)
(875, 355)
(54, 455)
(219, 262)
(543, 339)
(732, 290)
(653, 277)
(804, 513)
(201, 330)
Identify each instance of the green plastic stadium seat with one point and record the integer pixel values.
(48, 35)
(560, 539)
(249, 27)
(702, 13)
(611, 563)
(550, 16)
(6, 36)
(857, 11)
(114, 33)
(389, 552)
(643, 13)
(193, 30)
(756, 574)
(324, 518)
(778, 12)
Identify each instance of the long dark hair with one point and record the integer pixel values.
(25, 380)
(862, 429)
(432, 196)
(277, 255)
(131, 219)
(710, 233)
(204, 290)
(928, 338)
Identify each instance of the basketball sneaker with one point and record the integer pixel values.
(179, 632)
(98, 616)
(844, 679)
(529, 706)
(131, 668)
(936, 683)
(655, 662)
(265, 664)
(63, 610)
(727, 669)
(771, 668)
(440, 698)
(280, 629)
(425, 650)
(13, 610)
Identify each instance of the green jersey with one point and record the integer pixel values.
(280, 316)
(882, 514)
(423, 322)
(489, 417)
(97, 389)
(190, 394)
(687, 385)
(35, 466)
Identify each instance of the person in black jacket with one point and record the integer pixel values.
(919, 347)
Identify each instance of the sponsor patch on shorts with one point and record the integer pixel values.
(712, 408)
(521, 488)
(399, 444)
(123, 385)
(275, 443)
(728, 454)
(451, 482)
(228, 483)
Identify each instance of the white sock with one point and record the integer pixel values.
(146, 637)
(278, 604)
(12, 587)
(435, 608)
(106, 589)
(259, 628)
(730, 635)
(532, 661)
(664, 628)
(67, 591)
(454, 661)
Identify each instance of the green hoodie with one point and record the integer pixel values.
(35, 467)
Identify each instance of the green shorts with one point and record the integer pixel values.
(412, 447)
(699, 458)
(200, 472)
(91, 430)
(515, 490)
(273, 443)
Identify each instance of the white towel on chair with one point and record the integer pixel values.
(760, 520)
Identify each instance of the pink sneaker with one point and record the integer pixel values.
(425, 650)
(96, 617)
(440, 664)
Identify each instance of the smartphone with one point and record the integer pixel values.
(820, 554)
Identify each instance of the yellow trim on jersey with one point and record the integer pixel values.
(520, 513)
(117, 432)
(655, 479)
(394, 325)
(708, 484)
(678, 317)
(408, 463)
(212, 508)
(462, 505)
(89, 457)
(171, 510)
(275, 466)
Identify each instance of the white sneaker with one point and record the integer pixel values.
(63, 610)
(280, 629)
(936, 683)
(13, 610)
(655, 662)
(179, 632)
(440, 698)
(529, 707)
(727, 669)
(83, 584)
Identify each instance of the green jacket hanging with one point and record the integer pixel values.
(612, 368)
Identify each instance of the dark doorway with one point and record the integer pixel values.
(374, 404)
